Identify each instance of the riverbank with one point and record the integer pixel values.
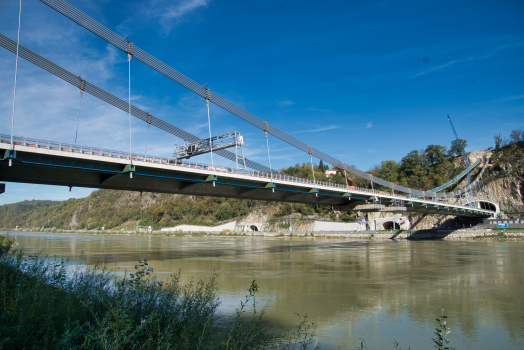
(394, 234)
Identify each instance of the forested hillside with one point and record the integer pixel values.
(421, 170)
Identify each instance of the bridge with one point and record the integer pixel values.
(29, 160)
(63, 164)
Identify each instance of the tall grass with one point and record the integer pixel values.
(43, 306)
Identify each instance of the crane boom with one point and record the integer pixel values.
(463, 151)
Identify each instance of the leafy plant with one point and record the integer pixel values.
(441, 333)
(6, 243)
(92, 309)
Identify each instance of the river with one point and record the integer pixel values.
(378, 290)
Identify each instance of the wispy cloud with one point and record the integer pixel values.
(331, 127)
(171, 13)
(285, 103)
(369, 125)
(177, 11)
(509, 98)
(433, 69)
(195, 128)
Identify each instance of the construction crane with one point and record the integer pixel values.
(470, 197)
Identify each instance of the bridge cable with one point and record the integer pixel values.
(129, 55)
(209, 125)
(105, 96)
(14, 88)
(268, 155)
(312, 169)
(148, 121)
(140, 55)
(82, 87)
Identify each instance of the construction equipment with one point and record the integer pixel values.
(470, 197)
(344, 175)
(231, 139)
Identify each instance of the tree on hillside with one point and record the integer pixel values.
(389, 171)
(411, 163)
(435, 154)
(516, 135)
(456, 147)
(299, 170)
(322, 167)
(498, 140)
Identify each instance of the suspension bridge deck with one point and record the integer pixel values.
(54, 163)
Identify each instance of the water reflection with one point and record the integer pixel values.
(378, 290)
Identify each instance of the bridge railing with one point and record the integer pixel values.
(103, 152)
(74, 148)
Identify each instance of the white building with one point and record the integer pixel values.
(330, 172)
(230, 226)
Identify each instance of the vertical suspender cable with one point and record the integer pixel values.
(14, 89)
(207, 95)
(82, 87)
(129, 55)
(310, 149)
(236, 149)
(346, 178)
(147, 137)
(266, 130)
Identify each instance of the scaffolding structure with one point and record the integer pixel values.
(215, 143)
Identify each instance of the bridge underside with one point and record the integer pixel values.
(46, 168)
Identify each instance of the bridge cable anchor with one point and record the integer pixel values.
(211, 178)
(10, 154)
(130, 168)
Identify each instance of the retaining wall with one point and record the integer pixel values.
(413, 235)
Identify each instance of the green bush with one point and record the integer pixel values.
(6, 243)
(92, 309)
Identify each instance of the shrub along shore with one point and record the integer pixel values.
(46, 306)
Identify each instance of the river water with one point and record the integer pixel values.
(378, 290)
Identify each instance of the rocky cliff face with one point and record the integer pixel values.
(508, 192)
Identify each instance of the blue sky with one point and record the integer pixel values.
(362, 81)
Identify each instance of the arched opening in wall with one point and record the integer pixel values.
(390, 225)
(487, 206)
(253, 228)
